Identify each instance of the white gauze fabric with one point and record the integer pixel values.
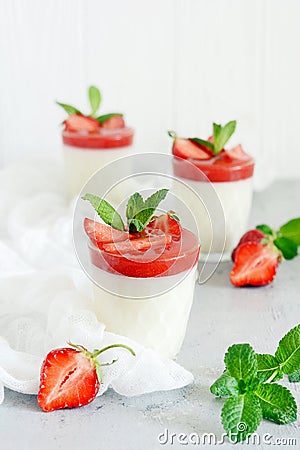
(45, 298)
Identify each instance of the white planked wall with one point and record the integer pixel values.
(168, 64)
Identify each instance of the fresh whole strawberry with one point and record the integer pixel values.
(79, 123)
(255, 264)
(71, 377)
(259, 251)
(254, 235)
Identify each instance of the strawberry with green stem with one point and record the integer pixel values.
(259, 252)
(91, 123)
(71, 377)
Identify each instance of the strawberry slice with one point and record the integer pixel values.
(165, 223)
(255, 264)
(101, 234)
(185, 148)
(79, 123)
(113, 123)
(250, 236)
(237, 153)
(132, 246)
(70, 377)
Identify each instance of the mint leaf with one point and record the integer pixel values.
(267, 366)
(203, 142)
(277, 403)
(288, 351)
(291, 230)
(241, 416)
(241, 362)
(154, 200)
(69, 109)
(105, 117)
(287, 247)
(265, 229)
(139, 212)
(295, 377)
(225, 386)
(135, 205)
(107, 212)
(95, 99)
(222, 135)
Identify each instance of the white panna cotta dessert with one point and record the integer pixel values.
(91, 142)
(144, 280)
(221, 188)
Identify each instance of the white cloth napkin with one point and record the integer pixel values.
(45, 298)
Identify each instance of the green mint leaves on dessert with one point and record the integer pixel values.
(222, 135)
(249, 384)
(107, 212)
(95, 99)
(69, 109)
(286, 239)
(140, 211)
(105, 117)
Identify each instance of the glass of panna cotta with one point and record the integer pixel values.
(227, 175)
(144, 282)
(91, 141)
(85, 153)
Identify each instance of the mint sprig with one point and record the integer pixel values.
(95, 98)
(249, 384)
(138, 211)
(286, 239)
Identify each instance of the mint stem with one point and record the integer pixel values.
(271, 378)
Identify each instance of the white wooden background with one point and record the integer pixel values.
(169, 64)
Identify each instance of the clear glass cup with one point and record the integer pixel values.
(153, 310)
(85, 153)
(230, 184)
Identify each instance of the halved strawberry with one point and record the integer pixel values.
(254, 235)
(70, 377)
(255, 264)
(138, 245)
(101, 234)
(165, 223)
(185, 148)
(113, 123)
(78, 122)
